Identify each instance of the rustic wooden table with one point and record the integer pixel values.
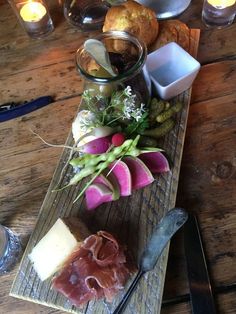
(32, 68)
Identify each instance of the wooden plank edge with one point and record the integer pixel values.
(194, 37)
(57, 307)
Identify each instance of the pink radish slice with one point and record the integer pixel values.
(140, 174)
(121, 172)
(155, 161)
(97, 194)
(97, 146)
(110, 181)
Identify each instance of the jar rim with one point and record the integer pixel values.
(122, 76)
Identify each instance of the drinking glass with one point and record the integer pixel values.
(10, 249)
(86, 14)
(218, 13)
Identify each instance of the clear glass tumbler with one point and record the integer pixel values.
(10, 249)
(86, 14)
(127, 55)
(218, 13)
(33, 16)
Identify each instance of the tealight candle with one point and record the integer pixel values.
(33, 12)
(34, 17)
(218, 13)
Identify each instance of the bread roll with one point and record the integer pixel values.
(134, 18)
(172, 30)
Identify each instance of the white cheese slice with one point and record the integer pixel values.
(53, 249)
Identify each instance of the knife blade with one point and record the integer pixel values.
(201, 296)
(161, 235)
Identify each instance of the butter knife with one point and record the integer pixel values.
(162, 234)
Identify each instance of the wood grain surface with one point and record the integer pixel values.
(207, 177)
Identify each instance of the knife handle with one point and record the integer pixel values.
(201, 296)
(122, 305)
(26, 108)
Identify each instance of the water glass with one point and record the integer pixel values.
(86, 15)
(34, 17)
(10, 249)
(218, 13)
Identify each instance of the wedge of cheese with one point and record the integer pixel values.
(56, 246)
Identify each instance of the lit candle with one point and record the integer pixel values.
(33, 16)
(218, 13)
(33, 12)
(221, 3)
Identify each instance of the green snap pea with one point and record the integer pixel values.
(82, 174)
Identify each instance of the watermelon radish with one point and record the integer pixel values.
(140, 174)
(110, 181)
(97, 194)
(121, 172)
(97, 146)
(155, 161)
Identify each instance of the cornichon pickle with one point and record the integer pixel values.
(167, 105)
(169, 113)
(146, 141)
(156, 106)
(161, 130)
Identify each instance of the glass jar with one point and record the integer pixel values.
(85, 14)
(10, 249)
(127, 55)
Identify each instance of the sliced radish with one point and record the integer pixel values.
(97, 146)
(97, 194)
(140, 174)
(155, 161)
(110, 181)
(123, 176)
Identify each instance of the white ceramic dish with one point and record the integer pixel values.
(172, 70)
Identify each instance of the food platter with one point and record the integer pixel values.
(131, 219)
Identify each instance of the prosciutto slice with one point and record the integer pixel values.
(98, 268)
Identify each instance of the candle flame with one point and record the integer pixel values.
(221, 3)
(33, 11)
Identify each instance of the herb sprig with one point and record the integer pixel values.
(121, 109)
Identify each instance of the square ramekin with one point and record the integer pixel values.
(172, 70)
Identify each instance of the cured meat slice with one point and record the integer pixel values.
(96, 269)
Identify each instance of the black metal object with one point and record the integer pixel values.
(13, 110)
(201, 296)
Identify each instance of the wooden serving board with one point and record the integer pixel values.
(131, 220)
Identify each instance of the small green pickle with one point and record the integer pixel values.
(161, 130)
(147, 141)
(162, 117)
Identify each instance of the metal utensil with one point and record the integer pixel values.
(163, 232)
(99, 53)
(201, 296)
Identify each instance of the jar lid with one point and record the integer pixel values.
(3, 241)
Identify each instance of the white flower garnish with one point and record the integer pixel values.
(83, 124)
